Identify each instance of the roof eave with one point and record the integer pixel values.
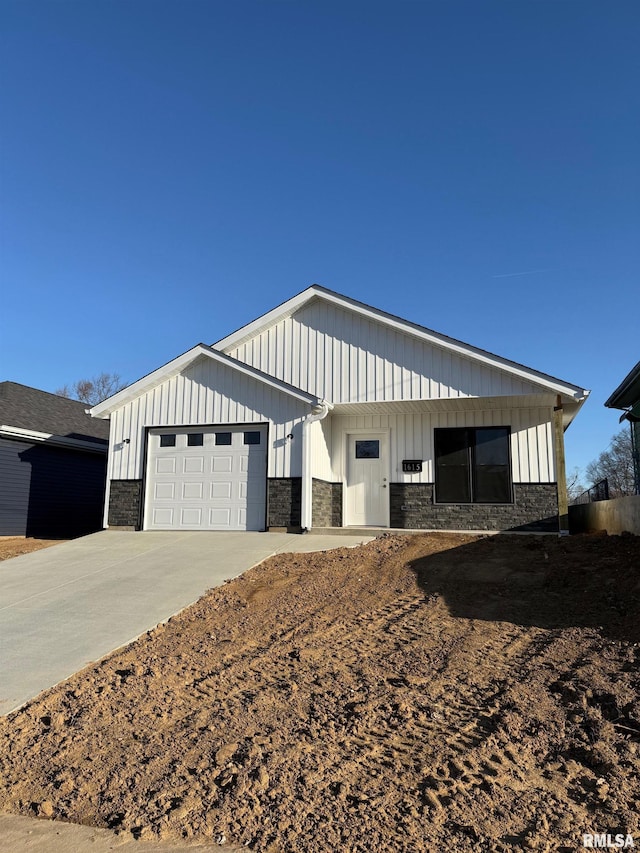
(628, 392)
(100, 445)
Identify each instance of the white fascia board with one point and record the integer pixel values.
(260, 376)
(51, 438)
(280, 312)
(177, 365)
(287, 308)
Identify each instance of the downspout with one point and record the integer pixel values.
(318, 413)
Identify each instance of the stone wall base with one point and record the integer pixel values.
(284, 502)
(326, 501)
(534, 509)
(125, 504)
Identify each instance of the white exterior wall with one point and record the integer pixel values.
(320, 433)
(208, 393)
(411, 437)
(343, 357)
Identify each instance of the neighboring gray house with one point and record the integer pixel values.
(326, 412)
(627, 397)
(52, 465)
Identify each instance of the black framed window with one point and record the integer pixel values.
(167, 440)
(473, 465)
(195, 439)
(252, 437)
(223, 438)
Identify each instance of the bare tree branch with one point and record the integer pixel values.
(616, 464)
(95, 390)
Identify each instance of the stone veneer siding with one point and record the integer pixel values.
(284, 502)
(125, 504)
(535, 509)
(326, 499)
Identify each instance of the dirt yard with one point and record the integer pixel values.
(15, 546)
(424, 693)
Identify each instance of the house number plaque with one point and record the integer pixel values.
(412, 466)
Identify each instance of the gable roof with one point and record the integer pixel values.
(317, 292)
(26, 411)
(177, 365)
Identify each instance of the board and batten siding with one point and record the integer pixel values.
(320, 436)
(411, 437)
(341, 356)
(207, 393)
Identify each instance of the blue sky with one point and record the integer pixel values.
(171, 170)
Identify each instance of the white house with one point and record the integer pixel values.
(326, 412)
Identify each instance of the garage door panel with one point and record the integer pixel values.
(192, 491)
(220, 518)
(193, 465)
(190, 517)
(164, 491)
(222, 464)
(163, 517)
(220, 486)
(220, 491)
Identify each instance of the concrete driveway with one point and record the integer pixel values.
(69, 605)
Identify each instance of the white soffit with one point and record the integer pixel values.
(459, 404)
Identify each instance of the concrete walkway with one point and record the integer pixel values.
(71, 604)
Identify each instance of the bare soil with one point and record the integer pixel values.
(429, 692)
(15, 546)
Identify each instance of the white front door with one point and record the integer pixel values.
(367, 489)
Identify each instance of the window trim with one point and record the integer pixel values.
(471, 448)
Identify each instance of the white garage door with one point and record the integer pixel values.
(206, 479)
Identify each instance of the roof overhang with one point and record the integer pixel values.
(627, 394)
(570, 407)
(98, 446)
(317, 292)
(181, 363)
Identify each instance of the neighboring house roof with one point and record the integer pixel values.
(317, 292)
(177, 365)
(29, 413)
(627, 394)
